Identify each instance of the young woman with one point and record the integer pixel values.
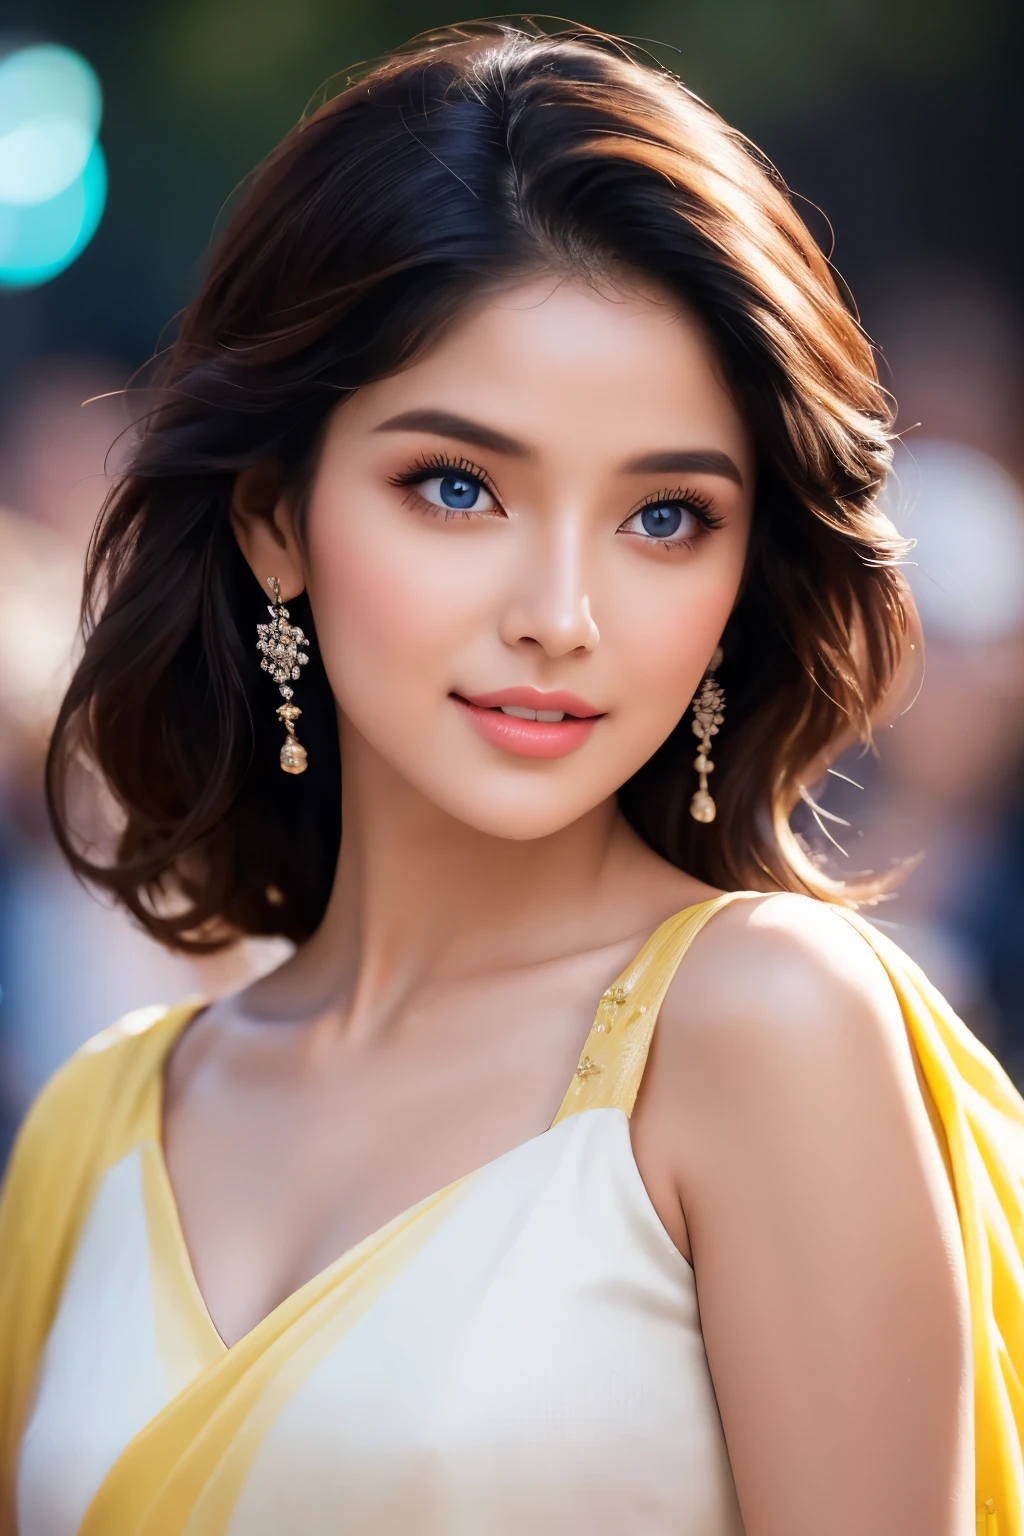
(518, 414)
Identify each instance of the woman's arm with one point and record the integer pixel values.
(824, 1233)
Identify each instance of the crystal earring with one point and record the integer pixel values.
(707, 717)
(281, 644)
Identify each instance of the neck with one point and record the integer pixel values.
(421, 898)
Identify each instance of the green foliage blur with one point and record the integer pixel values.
(901, 119)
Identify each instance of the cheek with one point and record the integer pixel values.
(662, 644)
(387, 606)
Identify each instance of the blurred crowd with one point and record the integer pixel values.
(945, 788)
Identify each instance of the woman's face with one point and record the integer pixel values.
(547, 514)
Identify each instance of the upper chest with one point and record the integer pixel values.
(284, 1150)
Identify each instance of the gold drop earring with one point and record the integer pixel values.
(708, 715)
(281, 644)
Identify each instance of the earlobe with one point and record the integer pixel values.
(262, 523)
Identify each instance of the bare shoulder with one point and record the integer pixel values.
(784, 1114)
(201, 1049)
(785, 974)
(779, 1004)
(227, 1043)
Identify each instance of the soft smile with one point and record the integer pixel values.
(528, 722)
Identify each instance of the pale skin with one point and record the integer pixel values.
(781, 1131)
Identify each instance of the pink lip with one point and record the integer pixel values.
(530, 738)
(532, 698)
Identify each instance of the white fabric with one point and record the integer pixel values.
(538, 1367)
(101, 1378)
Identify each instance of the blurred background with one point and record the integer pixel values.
(123, 129)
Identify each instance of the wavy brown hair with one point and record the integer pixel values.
(462, 161)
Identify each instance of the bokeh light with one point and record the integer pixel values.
(53, 178)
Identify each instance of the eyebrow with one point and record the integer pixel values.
(444, 424)
(695, 461)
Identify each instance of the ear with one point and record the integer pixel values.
(265, 530)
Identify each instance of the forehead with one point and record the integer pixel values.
(553, 361)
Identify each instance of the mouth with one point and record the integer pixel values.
(529, 723)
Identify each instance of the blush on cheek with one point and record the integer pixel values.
(669, 649)
(387, 603)
(383, 598)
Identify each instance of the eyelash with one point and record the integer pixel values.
(429, 465)
(696, 502)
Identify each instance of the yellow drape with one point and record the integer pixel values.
(982, 1116)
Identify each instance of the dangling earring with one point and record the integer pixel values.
(707, 717)
(281, 644)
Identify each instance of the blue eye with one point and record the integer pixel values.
(457, 491)
(672, 518)
(661, 521)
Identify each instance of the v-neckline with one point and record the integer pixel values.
(171, 1212)
(171, 1215)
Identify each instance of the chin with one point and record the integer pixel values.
(520, 818)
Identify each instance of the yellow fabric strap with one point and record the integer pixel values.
(611, 1064)
(81, 1123)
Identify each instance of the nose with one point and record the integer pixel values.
(549, 605)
